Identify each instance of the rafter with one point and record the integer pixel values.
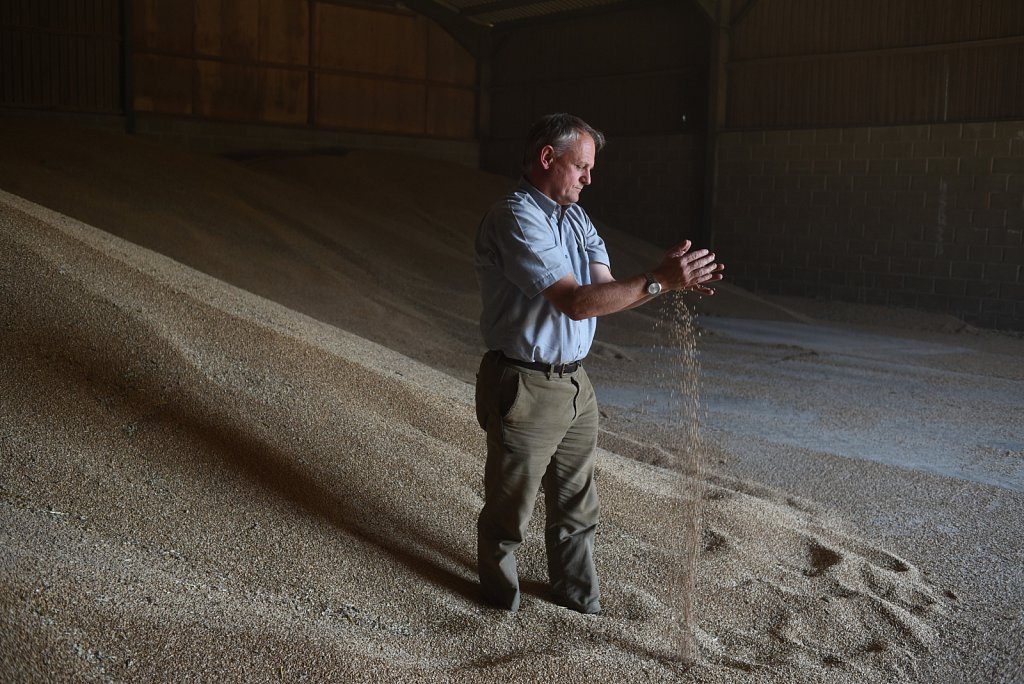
(742, 12)
(498, 6)
(467, 33)
(709, 8)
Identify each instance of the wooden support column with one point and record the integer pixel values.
(127, 66)
(311, 65)
(484, 77)
(718, 91)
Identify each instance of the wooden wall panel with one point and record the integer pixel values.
(264, 30)
(820, 63)
(375, 69)
(227, 91)
(451, 112)
(237, 92)
(60, 54)
(655, 75)
(163, 25)
(61, 16)
(371, 42)
(227, 28)
(447, 61)
(881, 88)
(775, 28)
(13, 84)
(284, 96)
(989, 83)
(163, 84)
(371, 104)
(284, 31)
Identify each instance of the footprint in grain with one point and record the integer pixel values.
(713, 541)
(820, 559)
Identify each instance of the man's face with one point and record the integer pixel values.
(569, 172)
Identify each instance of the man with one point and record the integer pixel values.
(544, 278)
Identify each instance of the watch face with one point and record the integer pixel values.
(653, 287)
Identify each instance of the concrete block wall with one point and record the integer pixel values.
(927, 216)
(649, 186)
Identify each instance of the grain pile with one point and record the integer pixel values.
(238, 443)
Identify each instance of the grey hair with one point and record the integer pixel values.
(560, 131)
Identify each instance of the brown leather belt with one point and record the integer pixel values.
(549, 368)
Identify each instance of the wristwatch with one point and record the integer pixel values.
(653, 287)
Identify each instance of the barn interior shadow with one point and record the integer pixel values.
(394, 535)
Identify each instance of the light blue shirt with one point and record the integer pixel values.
(524, 244)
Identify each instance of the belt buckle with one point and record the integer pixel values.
(561, 369)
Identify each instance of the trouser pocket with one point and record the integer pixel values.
(483, 392)
(497, 389)
(486, 386)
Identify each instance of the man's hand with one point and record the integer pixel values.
(689, 271)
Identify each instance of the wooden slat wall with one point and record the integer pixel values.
(821, 63)
(637, 71)
(60, 54)
(303, 62)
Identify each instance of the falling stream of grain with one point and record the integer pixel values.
(683, 376)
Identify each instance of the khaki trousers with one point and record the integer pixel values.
(541, 430)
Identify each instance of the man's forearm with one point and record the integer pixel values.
(599, 299)
(679, 270)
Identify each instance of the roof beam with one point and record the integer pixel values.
(709, 8)
(742, 13)
(498, 6)
(467, 33)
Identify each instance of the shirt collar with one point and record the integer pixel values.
(550, 207)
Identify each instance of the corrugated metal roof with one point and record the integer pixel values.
(494, 12)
